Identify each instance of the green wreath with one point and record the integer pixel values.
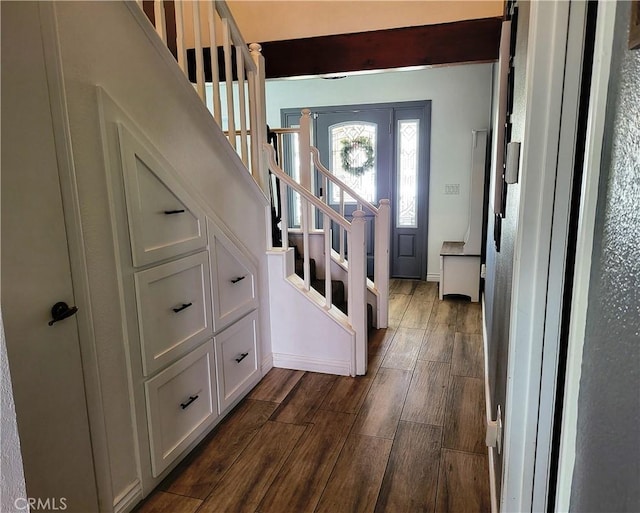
(359, 143)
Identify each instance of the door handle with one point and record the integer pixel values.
(61, 311)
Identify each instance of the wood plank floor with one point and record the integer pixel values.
(406, 438)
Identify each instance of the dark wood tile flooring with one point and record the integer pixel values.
(406, 438)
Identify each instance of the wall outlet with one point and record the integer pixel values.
(483, 271)
(452, 189)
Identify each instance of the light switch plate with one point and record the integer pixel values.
(452, 189)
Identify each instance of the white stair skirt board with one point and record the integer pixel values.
(295, 362)
(305, 336)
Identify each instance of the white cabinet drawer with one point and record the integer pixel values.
(181, 404)
(174, 308)
(163, 220)
(236, 358)
(233, 280)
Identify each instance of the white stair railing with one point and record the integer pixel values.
(355, 234)
(201, 24)
(380, 215)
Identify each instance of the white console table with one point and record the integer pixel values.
(459, 271)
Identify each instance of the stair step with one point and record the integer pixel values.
(337, 290)
(300, 268)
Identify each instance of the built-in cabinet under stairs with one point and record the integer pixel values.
(242, 117)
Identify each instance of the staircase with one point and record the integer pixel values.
(338, 293)
(337, 287)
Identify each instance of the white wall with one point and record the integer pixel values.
(13, 486)
(461, 102)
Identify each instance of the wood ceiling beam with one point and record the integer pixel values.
(446, 43)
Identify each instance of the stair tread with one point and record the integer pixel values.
(299, 265)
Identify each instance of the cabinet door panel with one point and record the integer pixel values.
(233, 280)
(181, 404)
(236, 359)
(174, 306)
(163, 220)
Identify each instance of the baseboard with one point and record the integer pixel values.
(492, 480)
(128, 498)
(267, 364)
(433, 276)
(493, 484)
(304, 363)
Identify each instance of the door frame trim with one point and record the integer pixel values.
(582, 274)
(553, 88)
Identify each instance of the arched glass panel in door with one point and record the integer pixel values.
(352, 147)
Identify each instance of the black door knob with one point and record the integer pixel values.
(61, 311)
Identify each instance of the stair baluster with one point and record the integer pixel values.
(246, 69)
(328, 288)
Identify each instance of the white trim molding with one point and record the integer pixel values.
(493, 482)
(128, 498)
(433, 277)
(582, 272)
(297, 362)
(266, 365)
(553, 77)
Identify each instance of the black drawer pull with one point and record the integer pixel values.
(184, 305)
(191, 399)
(242, 357)
(169, 212)
(236, 280)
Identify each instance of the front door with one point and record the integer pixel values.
(356, 147)
(382, 151)
(44, 361)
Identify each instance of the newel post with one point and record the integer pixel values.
(306, 170)
(305, 149)
(358, 289)
(381, 261)
(258, 118)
